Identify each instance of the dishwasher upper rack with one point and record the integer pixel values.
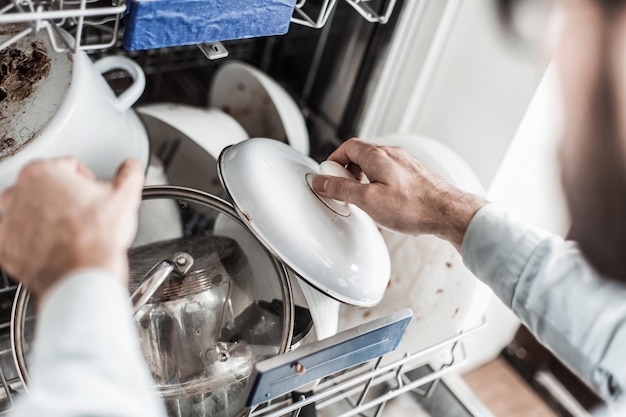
(105, 17)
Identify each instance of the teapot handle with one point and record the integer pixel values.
(132, 93)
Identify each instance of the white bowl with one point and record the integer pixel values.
(210, 128)
(260, 104)
(158, 219)
(427, 273)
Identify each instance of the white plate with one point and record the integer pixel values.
(342, 256)
(427, 273)
(260, 104)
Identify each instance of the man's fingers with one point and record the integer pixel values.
(84, 171)
(5, 199)
(129, 178)
(343, 189)
(353, 151)
(357, 172)
(70, 163)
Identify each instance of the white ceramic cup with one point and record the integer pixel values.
(74, 112)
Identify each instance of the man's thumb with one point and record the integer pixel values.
(129, 176)
(337, 188)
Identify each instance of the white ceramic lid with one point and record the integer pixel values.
(342, 255)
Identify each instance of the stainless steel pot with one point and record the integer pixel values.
(204, 328)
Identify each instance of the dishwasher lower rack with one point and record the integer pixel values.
(367, 387)
(364, 387)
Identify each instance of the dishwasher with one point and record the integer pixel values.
(331, 61)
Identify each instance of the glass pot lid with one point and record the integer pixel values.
(337, 248)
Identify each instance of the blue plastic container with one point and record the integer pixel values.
(161, 23)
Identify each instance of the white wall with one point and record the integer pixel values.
(527, 182)
(527, 185)
(471, 94)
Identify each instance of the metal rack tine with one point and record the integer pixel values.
(7, 8)
(361, 6)
(380, 409)
(316, 23)
(368, 384)
(9, 392)
(16, 38)
(5, 279)
(369, 14)
(296, 413)
(50, 17)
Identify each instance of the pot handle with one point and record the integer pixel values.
(132, 93)
(180, 263)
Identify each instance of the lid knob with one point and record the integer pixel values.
(333, 169)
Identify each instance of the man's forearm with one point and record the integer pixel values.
(547, 282)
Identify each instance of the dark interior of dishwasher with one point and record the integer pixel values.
(328, 71)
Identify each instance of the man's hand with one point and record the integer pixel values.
(402, 194)
(59, 218)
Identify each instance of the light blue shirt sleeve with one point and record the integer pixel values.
(573, 310)
(86, 359)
